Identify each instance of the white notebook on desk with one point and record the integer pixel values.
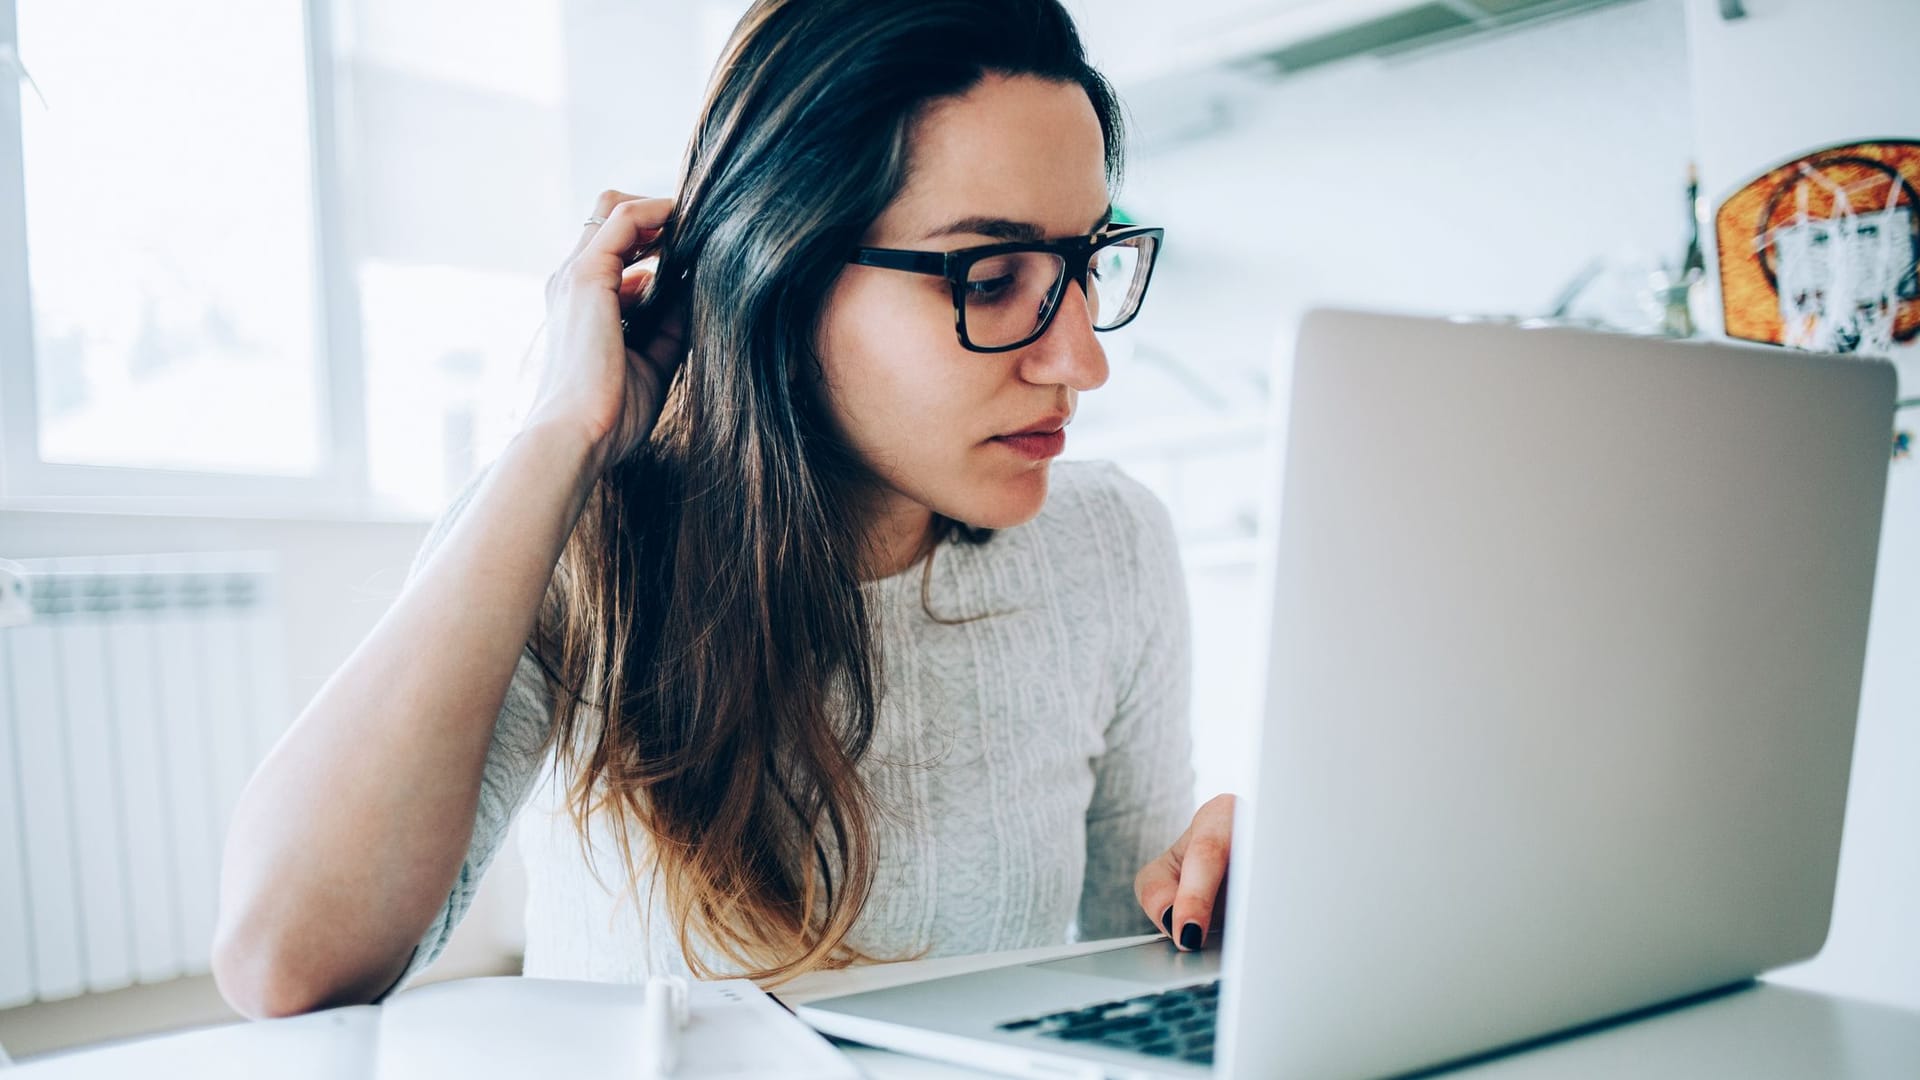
(504, 1028)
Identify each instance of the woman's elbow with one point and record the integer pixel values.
(262, 980)
(253, 984)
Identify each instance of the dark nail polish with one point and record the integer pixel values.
(1166, 920)
(1190, 936)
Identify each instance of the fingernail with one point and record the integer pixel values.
(1190, 936)
(1166, 920)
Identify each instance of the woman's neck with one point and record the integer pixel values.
(903, 533)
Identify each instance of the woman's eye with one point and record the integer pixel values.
(990, 289)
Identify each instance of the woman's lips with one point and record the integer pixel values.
(1034, 447)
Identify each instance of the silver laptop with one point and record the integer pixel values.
(1565, 655)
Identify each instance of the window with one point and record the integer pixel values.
(169, 236)
(271, 256)
(160, 293)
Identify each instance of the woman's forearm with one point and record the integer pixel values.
(350, 834)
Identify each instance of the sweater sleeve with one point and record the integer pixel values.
(513, 762)
(1143, 780)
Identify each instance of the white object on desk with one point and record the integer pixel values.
(660, 1025)
(505, 1028)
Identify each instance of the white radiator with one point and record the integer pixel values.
(136, 695)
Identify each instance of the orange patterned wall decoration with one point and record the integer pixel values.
(1823, 252)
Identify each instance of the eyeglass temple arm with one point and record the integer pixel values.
(917, 262)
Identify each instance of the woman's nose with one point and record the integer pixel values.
(1068, 353)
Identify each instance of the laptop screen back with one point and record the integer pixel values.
(1565, 660)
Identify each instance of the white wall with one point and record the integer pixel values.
(1767, 89)
(1476, 178)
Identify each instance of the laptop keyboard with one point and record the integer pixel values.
(1175, 1023)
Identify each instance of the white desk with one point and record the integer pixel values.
(1762, 1033)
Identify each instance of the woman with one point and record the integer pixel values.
(689, 589)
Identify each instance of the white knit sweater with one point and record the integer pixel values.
(1029, 763)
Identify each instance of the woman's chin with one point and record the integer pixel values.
(1006, 503)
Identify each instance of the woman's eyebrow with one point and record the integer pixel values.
(1007, 229)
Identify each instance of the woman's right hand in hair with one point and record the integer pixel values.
(591, 378)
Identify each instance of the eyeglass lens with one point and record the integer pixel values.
(1009, 296)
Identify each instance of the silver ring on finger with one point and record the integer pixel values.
(595, 220)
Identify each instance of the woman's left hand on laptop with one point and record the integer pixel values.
(1184, 890)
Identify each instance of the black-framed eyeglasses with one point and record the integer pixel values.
(1005, 295)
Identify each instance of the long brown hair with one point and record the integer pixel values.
(705, 633)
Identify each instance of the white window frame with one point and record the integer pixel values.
(339, 487)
